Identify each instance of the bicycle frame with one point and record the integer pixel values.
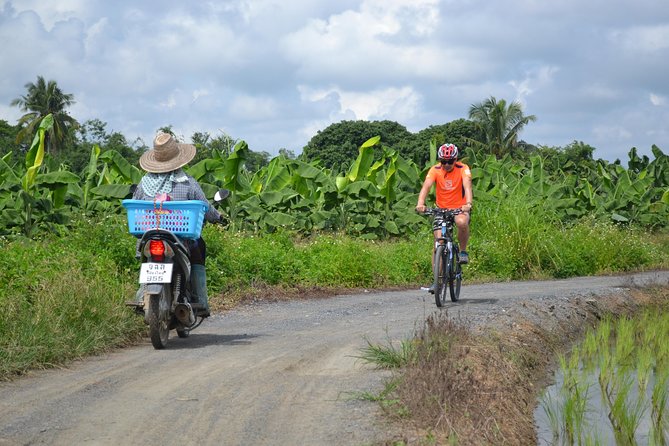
(447, 269)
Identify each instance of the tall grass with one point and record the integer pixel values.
(512, 241)
(62, 298)
(62, 294)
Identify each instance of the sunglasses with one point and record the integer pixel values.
(447, 161)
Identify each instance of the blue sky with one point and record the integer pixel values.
(274, 72)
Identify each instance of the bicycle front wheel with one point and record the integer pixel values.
(440, 277)
(454, 275)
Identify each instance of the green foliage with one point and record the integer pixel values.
(500, 124)
(30, 197)
(37, 195)
(241, 261)
(373, 199)
(207, 146)
(517, 240)
(338, 144)
(390, 356)
(608, 191)
(459, 132)
(44, 98)
(8, 144)
(63, 297)
(627, 358)
(93, 133)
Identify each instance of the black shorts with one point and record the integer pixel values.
(438, 220)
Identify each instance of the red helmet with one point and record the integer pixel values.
(447, 152)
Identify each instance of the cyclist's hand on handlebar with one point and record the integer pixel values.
(421, 208)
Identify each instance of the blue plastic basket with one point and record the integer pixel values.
(183, 218)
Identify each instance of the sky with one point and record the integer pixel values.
(274, 72)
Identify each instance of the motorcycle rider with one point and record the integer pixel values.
(166, 180)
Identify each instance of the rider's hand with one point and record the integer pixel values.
(421, 208)
(467, 208)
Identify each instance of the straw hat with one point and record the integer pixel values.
(167, 154)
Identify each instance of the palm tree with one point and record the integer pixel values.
(45, 98)
(500, 124)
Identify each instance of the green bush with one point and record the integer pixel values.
(238, 260)
(63, 297)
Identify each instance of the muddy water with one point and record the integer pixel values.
(598, 426)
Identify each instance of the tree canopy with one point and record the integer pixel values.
(499, 123)
(44, 98)
(338, 144)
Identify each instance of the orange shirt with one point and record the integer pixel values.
(449, 187)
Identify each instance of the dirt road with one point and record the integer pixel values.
(264, 374)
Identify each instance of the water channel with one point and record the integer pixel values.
(597, 425)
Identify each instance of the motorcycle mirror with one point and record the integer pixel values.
(221, 195)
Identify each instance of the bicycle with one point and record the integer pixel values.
(446, 267)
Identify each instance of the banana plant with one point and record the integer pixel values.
(41, 195)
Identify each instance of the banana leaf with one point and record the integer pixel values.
(57, 179)
(113, 191)
(361, 165)
(361, 189)
(117, 163)
(277, 219)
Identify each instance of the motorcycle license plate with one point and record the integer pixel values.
(155, 273)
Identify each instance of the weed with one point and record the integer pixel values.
(390, 356)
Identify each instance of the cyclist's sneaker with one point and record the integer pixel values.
(463, 258)
(431, 289)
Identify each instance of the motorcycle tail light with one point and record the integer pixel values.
(157, 250)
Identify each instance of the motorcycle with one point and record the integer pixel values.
(167, 301)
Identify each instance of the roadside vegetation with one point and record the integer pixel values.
(451, 384)
(63, 294)
(338, 217)
(68, 264)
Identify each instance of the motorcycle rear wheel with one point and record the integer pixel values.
(159, 318)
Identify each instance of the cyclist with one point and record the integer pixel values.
(453, 191)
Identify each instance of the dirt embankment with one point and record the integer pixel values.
(282, 373)
(483, 389)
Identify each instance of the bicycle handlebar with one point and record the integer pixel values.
(442, 212)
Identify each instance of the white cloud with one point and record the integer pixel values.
(199, 93)
(273, 72)
(599, 90)
(170, 102)
(253, 107)
(609, 132)
(647, 39)
(534, 79)
(382, 42)
(658, 100)
(400, 104)
(95, 35)
(52, 12)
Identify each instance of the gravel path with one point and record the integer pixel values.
(263, 374)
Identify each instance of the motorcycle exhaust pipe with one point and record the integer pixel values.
(184, 312)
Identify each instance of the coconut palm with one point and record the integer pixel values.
(45, 98)
(500, 124)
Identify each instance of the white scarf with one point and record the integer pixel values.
(162, 183)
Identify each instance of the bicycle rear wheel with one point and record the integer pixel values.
(454, 275)
(440, 277)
